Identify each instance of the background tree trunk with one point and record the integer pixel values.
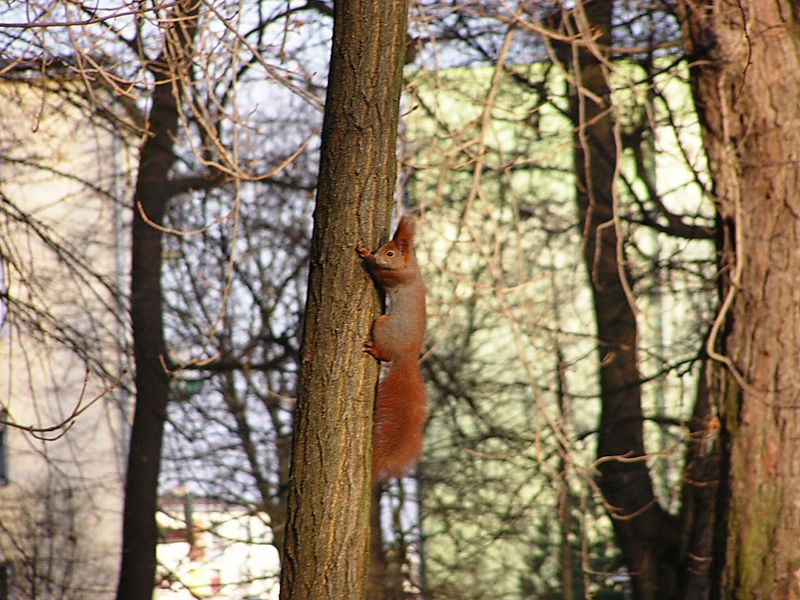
(644, 531)
(140, 534)
(377, 561)
(699, 493)
(328, 522)
(745, 57)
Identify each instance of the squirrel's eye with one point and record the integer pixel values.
(390, 253)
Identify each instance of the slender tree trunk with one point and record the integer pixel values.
(645, 533)
(699, 499)
(140, 535)
(275, 508)
(377, 561)
(328, 520)
(745, 57)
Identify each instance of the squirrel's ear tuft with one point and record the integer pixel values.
(404, 234)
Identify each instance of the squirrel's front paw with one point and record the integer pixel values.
(362, 251)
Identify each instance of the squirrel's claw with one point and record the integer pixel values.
(370, 348)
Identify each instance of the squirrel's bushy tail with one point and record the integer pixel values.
(400, 412)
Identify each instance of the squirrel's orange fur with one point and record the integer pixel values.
(401, 405)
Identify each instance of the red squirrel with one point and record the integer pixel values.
(401, 405)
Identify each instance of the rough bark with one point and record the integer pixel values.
(140, 535)
(328, 521)
(744, 57)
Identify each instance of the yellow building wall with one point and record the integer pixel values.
(64, 186)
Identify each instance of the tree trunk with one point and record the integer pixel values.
(378, 566)
(699, 496)
(645, 533)
(328, 521)
(140, 535)
(744, 59)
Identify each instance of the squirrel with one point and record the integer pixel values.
(401, 405)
